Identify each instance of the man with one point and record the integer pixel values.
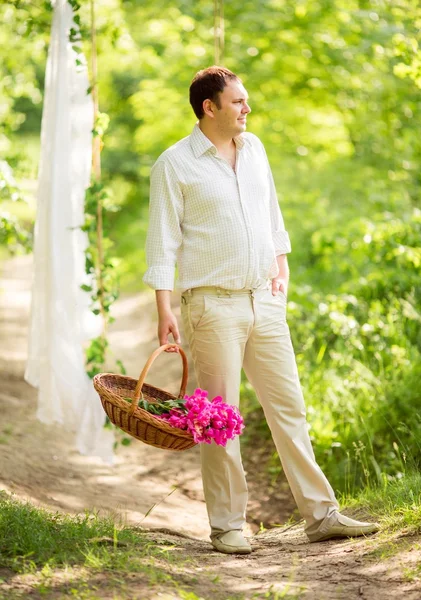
(214, 212)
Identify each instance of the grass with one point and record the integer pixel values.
(414, 573)
(88, 557)
(285, 594)
(79, 554)
(397, 503)
(30, 537)
(397, 506)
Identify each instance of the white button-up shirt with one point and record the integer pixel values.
(221, 227)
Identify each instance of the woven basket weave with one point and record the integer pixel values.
(135, 421)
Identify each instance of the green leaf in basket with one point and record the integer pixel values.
(158, 407)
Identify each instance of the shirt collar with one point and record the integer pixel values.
(201, 144)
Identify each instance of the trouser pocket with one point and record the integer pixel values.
(197, 310)
(192, 310)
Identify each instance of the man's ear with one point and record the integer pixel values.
(208, 108)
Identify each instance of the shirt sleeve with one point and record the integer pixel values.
(164, 237)
(280, 236)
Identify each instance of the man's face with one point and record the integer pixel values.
(230, 118)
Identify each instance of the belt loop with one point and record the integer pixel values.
(218, 292)
(186, 297)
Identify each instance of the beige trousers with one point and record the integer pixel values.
(230, 330)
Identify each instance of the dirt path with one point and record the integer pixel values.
(39, 462)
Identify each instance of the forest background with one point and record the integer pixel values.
(335, 93)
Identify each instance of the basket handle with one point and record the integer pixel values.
(153, 356)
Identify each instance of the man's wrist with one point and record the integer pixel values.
(163, 302)
(283, 268)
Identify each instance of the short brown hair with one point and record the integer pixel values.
(207, 85)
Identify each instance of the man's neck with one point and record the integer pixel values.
(222, 143)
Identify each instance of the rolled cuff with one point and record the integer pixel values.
(160, 278)
(281, 242)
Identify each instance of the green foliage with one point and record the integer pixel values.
(96, 354)
(101, 125)
(12, 234)
(158, 408)
(98, 197)
(75, 7)
(75, 34)
(23, 44)
(102, 269)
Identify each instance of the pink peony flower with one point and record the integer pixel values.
(206, 419)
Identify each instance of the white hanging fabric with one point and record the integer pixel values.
(60, 317)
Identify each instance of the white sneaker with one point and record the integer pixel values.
(339, 526)
(231, 542)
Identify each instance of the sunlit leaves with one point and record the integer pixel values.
(12, 234)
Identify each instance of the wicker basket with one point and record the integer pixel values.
(135, 421)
